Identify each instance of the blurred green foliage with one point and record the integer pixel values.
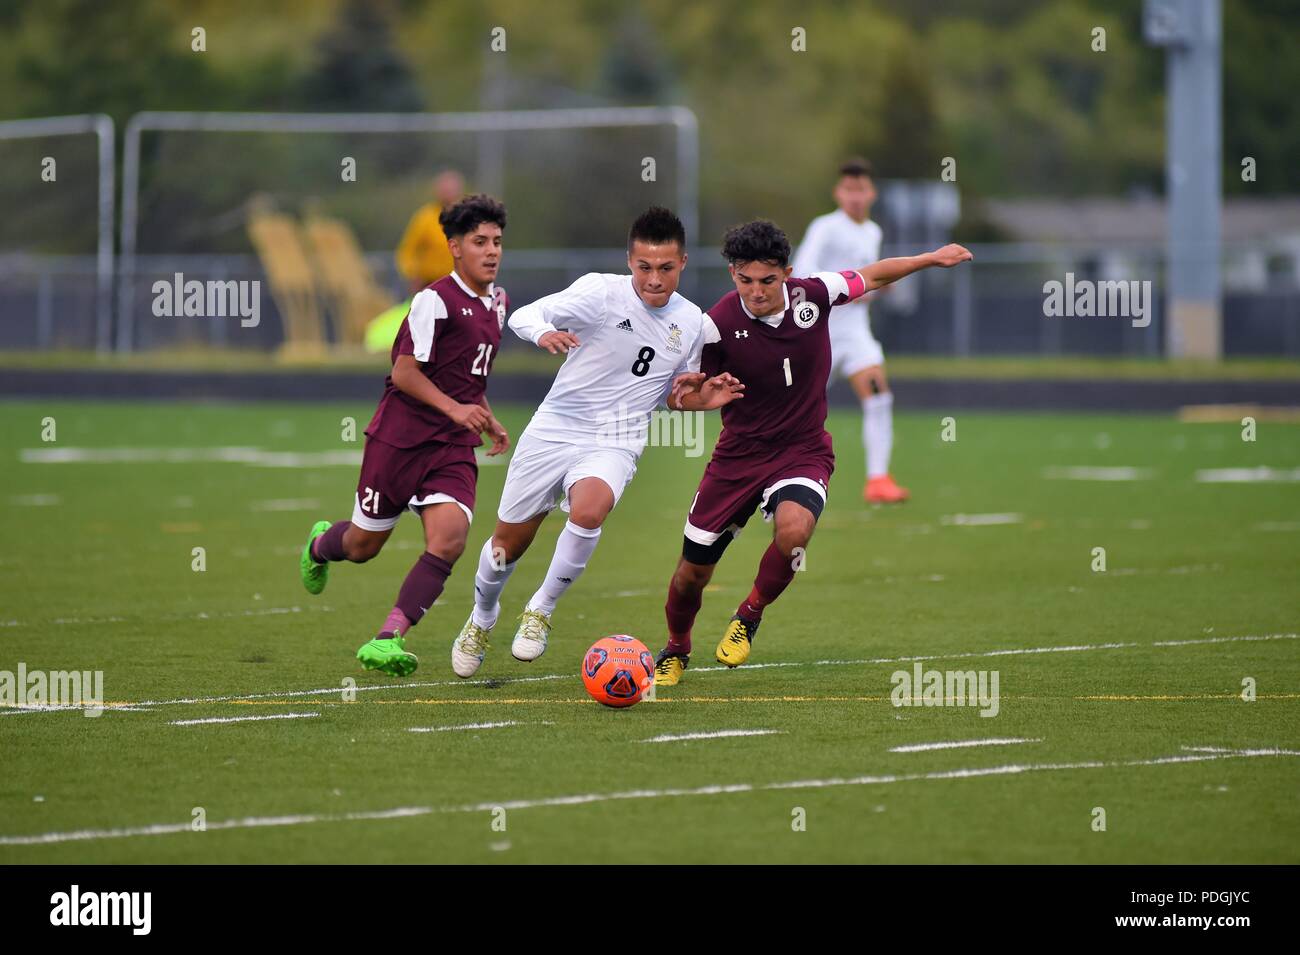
(1011, 89)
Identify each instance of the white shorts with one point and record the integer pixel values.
(542, 471)
(853, 347)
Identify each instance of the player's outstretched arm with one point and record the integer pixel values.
(694, 391)
(879, 274)
(554, 321)
(408, 379)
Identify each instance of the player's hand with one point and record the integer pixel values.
(951, 255)
(473, 418)
(683, 385)
(558, 343)
(500, 438)
(721, 390)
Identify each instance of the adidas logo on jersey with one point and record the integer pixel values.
(626, 325)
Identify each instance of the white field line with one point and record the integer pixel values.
(35, 500)
(719, 734)
(245, 719)
(1248, 475)
(980, 520)
(256, 457)
(1079, 648)
(201, 615)
(1097, 474)
(162, 829)
(475, 726)
(286, 504)
(958, 744)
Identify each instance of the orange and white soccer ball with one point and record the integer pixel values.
(617, 670)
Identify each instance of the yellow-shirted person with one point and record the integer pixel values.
(422, 256)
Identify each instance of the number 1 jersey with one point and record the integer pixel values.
(784, 361)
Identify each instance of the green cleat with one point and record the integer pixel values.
(314, 575)
(388, 654)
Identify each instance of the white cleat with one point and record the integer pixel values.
(530, 638)
(469, 649)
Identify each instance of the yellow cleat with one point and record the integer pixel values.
(736, 642)
(670, 667)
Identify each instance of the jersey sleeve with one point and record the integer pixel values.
(711, 353)
(577, 309)
(691, 360)
(417, 334)
(842, 287)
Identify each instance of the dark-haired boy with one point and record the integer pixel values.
(420, 443)
(626, 340)
(774, 452)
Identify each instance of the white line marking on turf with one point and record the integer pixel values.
(1248, 475)
(286, 504)
(330, 690)
(980, 520)
(675, 738)
(1097, 474)
(958, 744)
(245, 719)
(222, 455)
(475, 726)
(162, 829)
(35, 500)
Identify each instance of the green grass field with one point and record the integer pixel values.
(1138, 712)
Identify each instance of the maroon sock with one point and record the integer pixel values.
(775, 571)
(329, 546)
(422, 586)
(680, 611)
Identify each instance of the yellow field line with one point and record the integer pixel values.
(584, 701)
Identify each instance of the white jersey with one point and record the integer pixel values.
(623, 368)
(835, 242)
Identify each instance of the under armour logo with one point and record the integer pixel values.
(744, 334)
(565, 580)
(466, 311)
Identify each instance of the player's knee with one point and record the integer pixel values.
(364, 549)
(690, 579)
(588, 517)
(795, 531)
(449, 549)
(510, 544)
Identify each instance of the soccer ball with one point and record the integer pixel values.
(617, 670)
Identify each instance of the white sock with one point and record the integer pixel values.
(878, 432)
(489, 581)
(572, 551)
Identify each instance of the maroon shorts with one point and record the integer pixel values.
(739, 480)
(394, 479)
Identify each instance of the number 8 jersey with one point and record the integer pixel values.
(784, 361)
(623, 368)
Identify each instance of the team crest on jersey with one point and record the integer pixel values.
(806, 314)
(674, 338)
(499, 303)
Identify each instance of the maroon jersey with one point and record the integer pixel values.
(783, 360)
(455, 336)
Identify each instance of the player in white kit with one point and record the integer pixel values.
(845, 239)
(627, 338)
